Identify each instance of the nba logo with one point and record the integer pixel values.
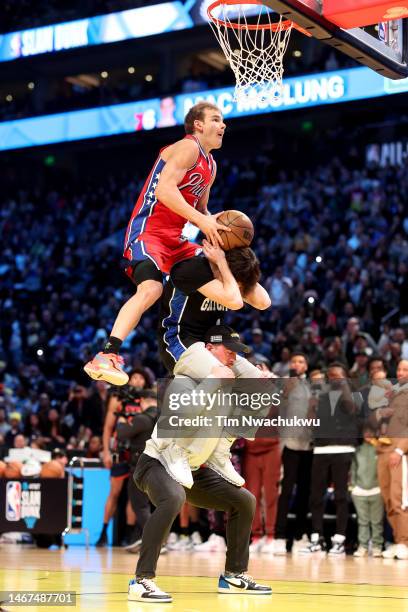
(13, 501)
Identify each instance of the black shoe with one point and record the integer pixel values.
(103, 540)
(242, 583)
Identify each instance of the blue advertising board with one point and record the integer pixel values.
(103, 29)
(95, 493)
(115, 27)
(298, 93)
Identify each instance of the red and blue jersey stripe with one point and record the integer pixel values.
(151, 218)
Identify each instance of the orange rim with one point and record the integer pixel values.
(275, 27)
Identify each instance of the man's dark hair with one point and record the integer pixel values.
(374, 358)
(338, 364)
(244, 266)
(300, 354)
(195, 113)
(148, 379)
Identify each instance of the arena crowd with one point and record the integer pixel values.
(333, 247)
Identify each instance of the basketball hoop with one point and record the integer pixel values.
(254, 49)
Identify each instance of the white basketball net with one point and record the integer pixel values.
(254, 55)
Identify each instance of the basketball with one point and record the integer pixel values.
(13, 469)
(52, 469)
(2, 469)
(242, 229)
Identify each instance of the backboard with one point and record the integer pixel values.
(383, 49)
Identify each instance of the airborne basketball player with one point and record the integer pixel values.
(176, 190)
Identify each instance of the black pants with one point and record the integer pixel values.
(140, 505)
(328, 468)
(297, 466)
(209, 491)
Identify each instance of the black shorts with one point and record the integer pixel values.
(144, 270)
(120, 470)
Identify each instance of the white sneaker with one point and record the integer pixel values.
(134, 547)
(390, 552)
(279, 547)
(146, 590)
(300, 544)
(220, 462)
(401, 551)
(175, 460)
(256, 545)
(337, 545)
(315, 545)
(184, 543)
(376, 552)
(268, 547)
(214, 544)
(172, 541)
(196, 539)
(207, 546)
(361, 552)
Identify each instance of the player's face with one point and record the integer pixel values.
(223, 354)
(213, 128)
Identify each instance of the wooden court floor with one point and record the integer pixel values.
(100, 578)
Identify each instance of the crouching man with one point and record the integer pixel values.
(209, 490)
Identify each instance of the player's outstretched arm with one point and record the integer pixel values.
(182, 157)
(258, 298)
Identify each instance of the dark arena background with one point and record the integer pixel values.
(89, 94)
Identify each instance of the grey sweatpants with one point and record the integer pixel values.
(370, 517)
(209, 491)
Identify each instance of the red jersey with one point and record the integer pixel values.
(151, 218)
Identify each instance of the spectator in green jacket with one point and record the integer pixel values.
(367, 498)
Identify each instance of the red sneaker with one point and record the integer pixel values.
(109, 367)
